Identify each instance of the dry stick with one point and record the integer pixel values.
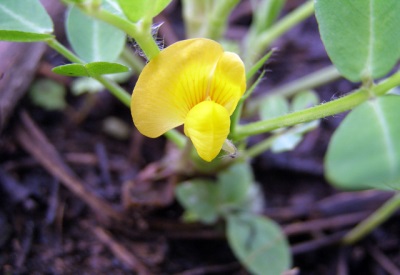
(386, 264)
(33, 140)
(317, 243)
(119, 251)
(328, 223)
(218, 269)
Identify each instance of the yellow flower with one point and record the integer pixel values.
(192, 82)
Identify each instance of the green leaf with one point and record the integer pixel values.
(18, 36)
(24, 16)
(304, 100)
(365, 150)
(360, 36)
(100, 68)
(259, 244)
(273, 106)
(74, 69)
(142, 9)
(265, 13)
(233, 185)
(256, 67)
(93, 40)
(48, 94)
(199, 198)
(286, 142)
(92, 69)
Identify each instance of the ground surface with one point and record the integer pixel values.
(48, 225)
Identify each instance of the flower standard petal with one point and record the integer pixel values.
(172, 83)
(207, 125)
(228, 83)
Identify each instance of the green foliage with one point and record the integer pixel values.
(304, 100)
(48, 94)
(92, 69)
(257, 241)
(365, 151)
(360, 36)
(259, 244)
(200, 200)
(93, 40)
(275, 106)
(24, 21)
(233, 186)
(206, 200)
(17, 36)
(142, 9)
(265, 13)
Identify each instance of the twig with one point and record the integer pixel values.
(219, 269)
(328, 223)
(386, 264)
(317, 244)
(33, 140)
(125, 256)
(103, 163)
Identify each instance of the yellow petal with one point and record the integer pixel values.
(172, 83)
(228, 82)
(207, 125)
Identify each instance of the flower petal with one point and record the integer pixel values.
(207, 125)
(229, 81)
(172, 83)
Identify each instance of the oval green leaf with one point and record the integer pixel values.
(273, 106)
(91, 69)
(27, 16)
(259, 244)
(364, 151)
(48, 94)
(360, 36)
(93, 40)
(17, 36)
(200, 200)
(234, 185)
(99, 68)
(142, 9)
(71, 70)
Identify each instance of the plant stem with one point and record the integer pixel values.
(315, 79)
(135, 62)
(140, 31)
(377, 218)
(285, 24)
(58, 47)
(216, 23)
(331, 108)
(177, 138)
(279, 28)
(259, 148)
(114, 88)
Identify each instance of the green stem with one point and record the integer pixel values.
(216, 23)
(280, 27)
(58, 47)
(285, 24)
(140, 31)
(377, 218)
(331, 108)
(318, 78)
(235, 118)
(133, 60)
(177, 138)
(259, 148)
(114, 88)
